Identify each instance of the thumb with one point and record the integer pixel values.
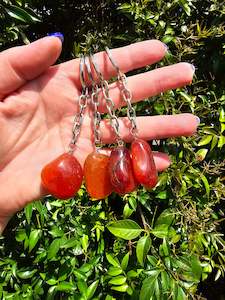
(23, 63)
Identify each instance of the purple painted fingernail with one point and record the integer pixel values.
(166, 47)
(58, 35)
(193, 67)
(198, 120)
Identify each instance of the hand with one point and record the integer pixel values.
(38, 103)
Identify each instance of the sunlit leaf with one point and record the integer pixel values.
(125, 229)
(21, 14)
(118, 280)
(143, 247)
(160, 231)
(33, 238)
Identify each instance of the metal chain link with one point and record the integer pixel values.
(82, 102)
(95, 103)
(114, 121)
(126, 95)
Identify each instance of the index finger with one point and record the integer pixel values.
(128, 58)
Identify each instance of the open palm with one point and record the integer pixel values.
(38, 103)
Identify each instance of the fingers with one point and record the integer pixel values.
(162, 160)
(128, 58)
(151, 83)
(24, 63)
(154, 127)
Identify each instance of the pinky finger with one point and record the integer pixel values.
(162, 160)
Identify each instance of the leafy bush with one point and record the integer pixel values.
(147, 245)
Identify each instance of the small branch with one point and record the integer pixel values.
(145, 224)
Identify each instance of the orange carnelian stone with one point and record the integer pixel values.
(121, 171)
(63, 176)
(143, 163)
(96, 175)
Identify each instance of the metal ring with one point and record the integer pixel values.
(82, 80)
(112, 60)
(88, 67)
(96, 67)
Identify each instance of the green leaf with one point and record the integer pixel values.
(180, 295)
(127, 211)
(218, 274)
(222, 128)
(82, 286)
(125, 6)
(206, 184)
(54, 248)
(162, 195)
(80, 275)
(84, 242)
(214, 142)
(125, 229)
(165, 248)
(118, 280)
(113, 261)
(165, 281)
(26, 273)
(28, 212)
(133, 202)
(51, 293)
(20, 235)
(51, 281)
(21, 14)
(33, 238)
(56, 232)
(205, 140)
(125, 261)
(160, 231)
(72, 243)
(108, 297)
(115, 271)
(91, 290)
(132, 274)
(189, 268)
(143, 247)
(152, 259)
(65, 287)
(167, 39)
(196, 268)
(148, 287)
(201, 154)
(166, 217)
(221, 141)
(222, 115)
(122, 288)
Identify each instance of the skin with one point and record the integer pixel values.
(38, 102)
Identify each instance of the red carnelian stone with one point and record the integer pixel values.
(96, 175)
(121, 171)
(143, 163)
(63, 176)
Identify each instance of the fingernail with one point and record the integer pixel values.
(198, 120)
(193, 67)
(166, 47)
(58, 35)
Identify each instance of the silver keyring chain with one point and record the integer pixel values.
(109, 102)
(94, 102)
(126, 95)
(82, 102)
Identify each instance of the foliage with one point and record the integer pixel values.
(157, 244)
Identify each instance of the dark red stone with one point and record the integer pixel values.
(121, 171)
(63, 176)
(143, 163)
